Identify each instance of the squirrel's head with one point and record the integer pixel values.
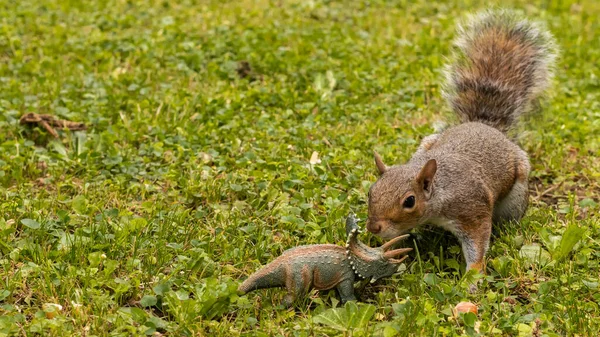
(398, 199)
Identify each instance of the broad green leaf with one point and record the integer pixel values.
(588, 202)
(350, 310)
(67, 240)
(182, 295)
(156, 322)
(550, 241)
(161, 288)
(79, 204)
(452, 263)
(175, 245)
(59, 148)
(502, 264)
(137, 224)
(469, 318)
(148, 301)
(430, 279)
(332, 318)
(30, 223)
(535, 254)
(350, 316)
(364, 315)
(4, 294)
(95, 258)
(571, 236)
(590, 284)
(137, 314)
(524, 329)
(389, 331)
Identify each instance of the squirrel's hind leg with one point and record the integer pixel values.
(514, 204)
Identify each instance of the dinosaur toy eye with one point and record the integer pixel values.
(409, 202)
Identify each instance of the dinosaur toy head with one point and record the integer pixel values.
(372, 263)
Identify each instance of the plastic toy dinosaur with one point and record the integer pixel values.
(328, 266)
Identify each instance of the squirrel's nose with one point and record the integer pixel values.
(373, 227)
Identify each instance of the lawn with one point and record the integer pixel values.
(221, 133)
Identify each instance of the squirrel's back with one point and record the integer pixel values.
(501, 65)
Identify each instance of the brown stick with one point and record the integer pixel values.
(547, 191)
(73, 126)
(49, 128)
(49, 121)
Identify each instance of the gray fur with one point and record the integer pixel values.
(502, 64)
(480, 176)
(513, 206)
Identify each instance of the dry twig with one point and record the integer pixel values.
(49, 122)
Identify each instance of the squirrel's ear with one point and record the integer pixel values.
(380, 165)
(425, 177)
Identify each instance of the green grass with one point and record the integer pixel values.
(190, 178)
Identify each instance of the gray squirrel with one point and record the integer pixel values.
(471, 175)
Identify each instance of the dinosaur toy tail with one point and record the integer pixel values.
(272, 275)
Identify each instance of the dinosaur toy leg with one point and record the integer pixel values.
(295, 286)
(346, 290)
(288, 300)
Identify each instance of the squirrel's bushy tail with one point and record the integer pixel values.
(501, 65)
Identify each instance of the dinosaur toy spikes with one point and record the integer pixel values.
(351, 224)
(396, 261)
(396, 252)
(393, 241)
(328, 266)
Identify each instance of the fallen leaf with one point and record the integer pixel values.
(464, 307)
(314, 158)
(51, 309)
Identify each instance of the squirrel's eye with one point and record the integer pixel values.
(409, 202)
